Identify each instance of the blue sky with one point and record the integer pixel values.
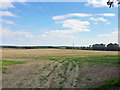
(58, 23)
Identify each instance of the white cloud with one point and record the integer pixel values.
(6, 32)
(110, 37)
(6, 1)
(108, 23)
(107, 14)
(94, 19)
(75, 24)
(7, 21)
(80, 15)
(16, 37)
(99, 19)
(95, 23)
(43, 35)
(10, 37)
(99, 3)
(71, 15)
(72, 26)
(5, 4)
(6, 13)
(102, 19)
(115, 33)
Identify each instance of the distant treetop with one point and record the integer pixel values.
(111, 2)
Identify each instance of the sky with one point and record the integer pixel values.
(58, 23)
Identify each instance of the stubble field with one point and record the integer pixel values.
(59, 68)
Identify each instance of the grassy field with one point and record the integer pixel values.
(59, 68)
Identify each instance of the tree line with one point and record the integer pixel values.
(29, 47)
(101, 47)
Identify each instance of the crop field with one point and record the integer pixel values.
(59, 68)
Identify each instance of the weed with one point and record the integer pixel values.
(65, 66)
(61, 75)
(73, 66)
(4, 70)
(89, 79)
(112, 83)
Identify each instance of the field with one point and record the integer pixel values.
(59, 68)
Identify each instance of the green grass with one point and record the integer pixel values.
(7, 62)
(108, 60)
(111, 60)
(113, 83)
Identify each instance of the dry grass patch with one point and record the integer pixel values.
(51, 52)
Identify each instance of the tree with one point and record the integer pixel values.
(111, 2)
(102, 47)
(112, 47)
(98, 47)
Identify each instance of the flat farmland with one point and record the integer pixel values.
(51, 52)
(59, 68)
